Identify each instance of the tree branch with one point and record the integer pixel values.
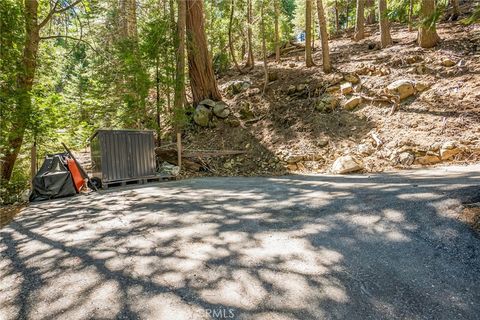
(63, 9)
(69, 37)
(54, 10)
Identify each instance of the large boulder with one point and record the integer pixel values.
(202, 115)
(402, 88)
(221, 110)
(207, 102)
(346, 164)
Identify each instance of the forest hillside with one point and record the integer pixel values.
(252, 87)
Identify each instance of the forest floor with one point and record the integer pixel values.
(283, 130)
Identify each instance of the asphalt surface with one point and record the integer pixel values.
(299, 247)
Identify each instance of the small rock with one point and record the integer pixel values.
(301, 87)
(334, 79)
(221, 110)
(447, 62)
(428, 159)
(346, 164)
(207, 102)
(311, 165)
(449, 150)
(406, 158)
(292, 167)
(403, 88)
(350, 77)
(238, 86)
(365, 149)
(322, 142)
(291, 89)
(202, 116)
(233, 123)
(292, 65)
(326, 104)
(346, 88)
(352, 103)
(435, 147)
(333, 89)
(254, 92)
(420, 86)
(272, 76)
(294, 158)
(245, 112)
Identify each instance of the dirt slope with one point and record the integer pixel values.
(289, 128)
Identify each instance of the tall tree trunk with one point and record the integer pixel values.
(133, 83)
(277, 32)
(264, 47)
(25, 78)
(322, 22)
(371, 11)
(179, 96)
(202, 77)
(250, 60)
(128, 19)
(347, 11)
(385, 37)
(360, 21)
(308, 33)
(427, 33)
(337, 19)
(456, 10)
(410, 16)
(230, 39)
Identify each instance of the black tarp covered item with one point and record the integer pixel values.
(53, 180)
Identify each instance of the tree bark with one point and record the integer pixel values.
(322, 22)
(25, 79)
(230, 39)
(277, 34)
(179, 96)
(250, 59)
(385, 37)
(456, 10)
(410, 16)
(128, 19)
(360, 21)
(202, 77)
(264, 47)
(427, 32)
(308, 34)
(371, 11)
(337, 19)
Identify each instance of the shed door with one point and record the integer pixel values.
(115, 165)
(141, 154)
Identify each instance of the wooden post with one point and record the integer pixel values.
(179, 150)
(33, 162)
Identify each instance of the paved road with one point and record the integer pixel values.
(297, 247)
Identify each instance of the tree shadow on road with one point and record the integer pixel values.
(298, 247)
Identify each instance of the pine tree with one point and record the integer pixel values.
(322, 22)
(360, 21)
(385, 37)
(427, 32)
(308, 34)
(202, 77)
